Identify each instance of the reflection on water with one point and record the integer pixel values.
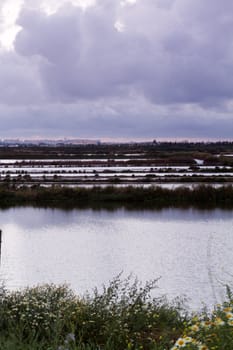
(191, 250)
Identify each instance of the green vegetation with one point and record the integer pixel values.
(209, 331)
(123, 316)
(135, 197)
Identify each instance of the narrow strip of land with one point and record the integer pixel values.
(199, 196)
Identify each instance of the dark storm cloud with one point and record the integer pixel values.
(169, 72)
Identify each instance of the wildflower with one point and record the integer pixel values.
(180, 342)
(202, 347)
(219, 322)
(227, 309)
(195, 328)
(188, 339)
(206, 324)
(230, 322)
(229, 315)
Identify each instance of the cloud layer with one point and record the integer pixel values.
(163, 71)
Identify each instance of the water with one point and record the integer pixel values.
(190, 249)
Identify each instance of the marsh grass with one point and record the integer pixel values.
(135, 197)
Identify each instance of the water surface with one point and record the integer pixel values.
(190, 249)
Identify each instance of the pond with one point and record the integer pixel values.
(191, 250)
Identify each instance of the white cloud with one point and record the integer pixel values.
(127, 2)
(52, 6)
(8, 29)
(120, 27)
(10, 9)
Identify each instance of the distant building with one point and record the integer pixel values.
(48, 142)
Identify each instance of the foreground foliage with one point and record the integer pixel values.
(209, 331)
(122, 316)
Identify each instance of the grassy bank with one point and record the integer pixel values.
(201, 196)
(122, 316)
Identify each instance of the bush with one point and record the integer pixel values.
(122, 316)
(41, 313)
(125, 316)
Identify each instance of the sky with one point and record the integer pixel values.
(116, 69)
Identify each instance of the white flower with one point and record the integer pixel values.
(180, 342)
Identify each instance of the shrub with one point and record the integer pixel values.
(122, 316)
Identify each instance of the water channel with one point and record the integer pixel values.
(191, 250)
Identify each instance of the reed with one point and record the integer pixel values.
(200, 196)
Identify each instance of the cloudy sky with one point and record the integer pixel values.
(122, 69)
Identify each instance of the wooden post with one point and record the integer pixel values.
(0, 245)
